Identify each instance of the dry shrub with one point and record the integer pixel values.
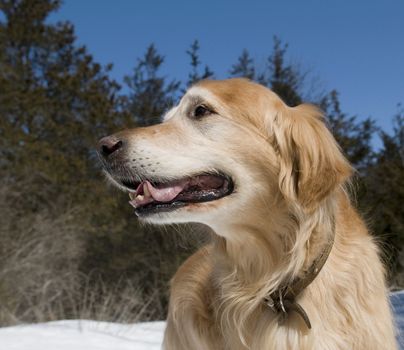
(41, 247)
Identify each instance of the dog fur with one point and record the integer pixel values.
(290, 198)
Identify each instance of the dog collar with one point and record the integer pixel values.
(283, 300)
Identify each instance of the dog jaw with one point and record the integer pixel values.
(228, 141)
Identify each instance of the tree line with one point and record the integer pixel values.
(70, 246)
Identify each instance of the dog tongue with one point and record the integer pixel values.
(166, 193)
(146, 193)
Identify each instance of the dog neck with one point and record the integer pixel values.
(259, 263)
(284, 300)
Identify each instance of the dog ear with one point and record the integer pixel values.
(311, 162)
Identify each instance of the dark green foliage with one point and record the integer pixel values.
(284, 79)
(55, 103)
(353, 136)
(149, 94)
(194, 76)
(385, 197)
(51, 95)
(244, 68)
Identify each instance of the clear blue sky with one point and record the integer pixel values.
(356, 47)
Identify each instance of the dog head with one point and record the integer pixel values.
(229, 150)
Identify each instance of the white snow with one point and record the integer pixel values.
(83, 335)
(92, 335)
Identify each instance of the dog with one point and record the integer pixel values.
(290, 264)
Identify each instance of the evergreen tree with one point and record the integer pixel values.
(150, 95)
(244, 67)
(384, 198)
(282, 78)
(353, 136)
(51, 95)
(55, 103)
(194, 76)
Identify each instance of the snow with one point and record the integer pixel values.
(92, 335)
(83, 335)
(397, 303)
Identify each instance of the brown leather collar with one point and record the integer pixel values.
(283, 300)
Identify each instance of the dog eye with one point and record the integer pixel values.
(201, 111)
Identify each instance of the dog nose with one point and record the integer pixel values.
(108, 145)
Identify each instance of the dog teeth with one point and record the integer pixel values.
(138, 200)
(146, 191)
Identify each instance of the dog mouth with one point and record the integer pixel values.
(150, 197)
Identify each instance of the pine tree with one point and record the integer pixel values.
(244, 67)
(194, 76)
(51, 95)
(282, 78)
(354, 136)
(150, 95)
(384, 198)
(55, 103)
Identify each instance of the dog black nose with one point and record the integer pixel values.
(108, 145)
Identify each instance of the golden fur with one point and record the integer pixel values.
(290, 195)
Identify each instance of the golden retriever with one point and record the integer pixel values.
(291, 264)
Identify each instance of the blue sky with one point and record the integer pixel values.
(356, 47)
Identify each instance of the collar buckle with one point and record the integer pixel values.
(283, 300)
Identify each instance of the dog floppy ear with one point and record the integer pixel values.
(311, 162)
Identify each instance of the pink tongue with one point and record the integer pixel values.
(168, 193)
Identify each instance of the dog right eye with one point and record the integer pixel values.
(201, 111)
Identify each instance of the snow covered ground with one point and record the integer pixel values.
(397, 302)
(91, 335)
(83, 335)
